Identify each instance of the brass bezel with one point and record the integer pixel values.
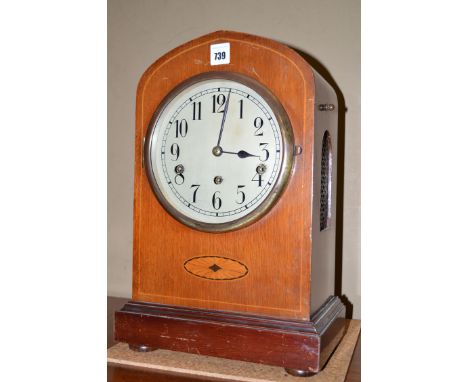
(285, 170)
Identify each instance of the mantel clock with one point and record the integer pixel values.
(234, 213)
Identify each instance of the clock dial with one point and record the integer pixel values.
(218, 152)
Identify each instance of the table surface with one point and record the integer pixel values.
(128, 374)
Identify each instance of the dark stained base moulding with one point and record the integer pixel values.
(301, 347)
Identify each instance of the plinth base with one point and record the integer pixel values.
(303, 346)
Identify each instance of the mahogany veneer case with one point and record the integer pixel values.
(283, 311)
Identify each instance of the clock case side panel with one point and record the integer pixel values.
(287, 226)
(323, 240)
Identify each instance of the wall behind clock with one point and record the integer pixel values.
(139, 32)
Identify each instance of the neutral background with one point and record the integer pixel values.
(141, 31)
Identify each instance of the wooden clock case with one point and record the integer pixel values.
(281, 313)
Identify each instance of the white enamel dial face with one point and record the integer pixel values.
(215, 151)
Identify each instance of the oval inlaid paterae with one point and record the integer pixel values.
(216, 268)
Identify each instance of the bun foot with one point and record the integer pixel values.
(141, 348)
(299, 373)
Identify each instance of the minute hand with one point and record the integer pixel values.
(241, 154)
(224, 118)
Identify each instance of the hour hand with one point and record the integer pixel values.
(241, 154)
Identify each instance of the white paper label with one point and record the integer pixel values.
(220, 54)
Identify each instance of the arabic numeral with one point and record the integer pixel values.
(175, 150)
(197, 186)
(242, 193)
(196, 111)
(265, 152)
(258, 124)
(181, 128)
(258, 178)
(179, 179)
(216, 201)
(218, 103)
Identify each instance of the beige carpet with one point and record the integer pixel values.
(223, 369)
